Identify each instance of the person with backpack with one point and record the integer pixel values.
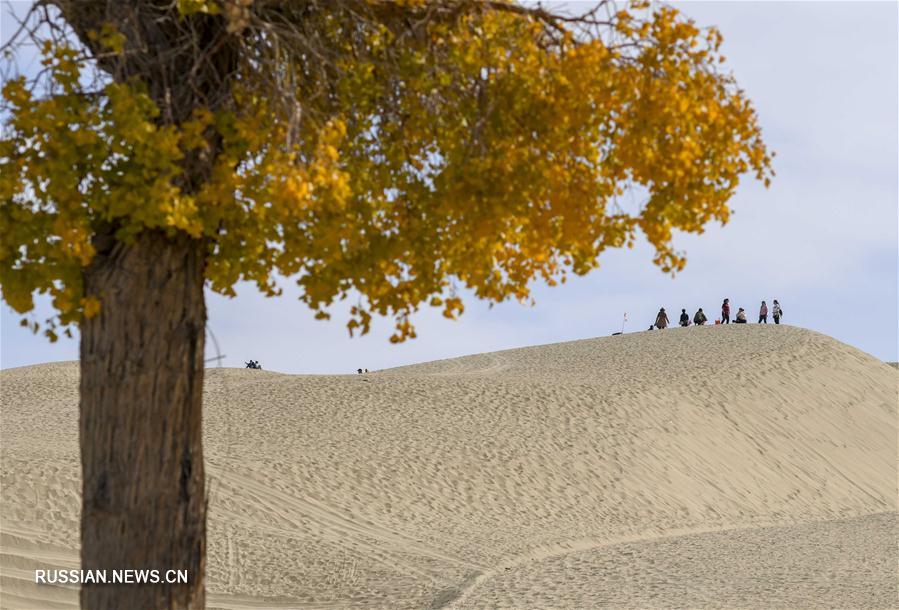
(699, 319)
(725, 311)
(777, 312)
(741, 316)
(684, 318)
(763, 313)
(662, 319)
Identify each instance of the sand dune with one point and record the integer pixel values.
(738, 466)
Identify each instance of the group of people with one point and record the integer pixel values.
(699, 318)
(254, 364)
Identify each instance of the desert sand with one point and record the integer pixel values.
(737, 466)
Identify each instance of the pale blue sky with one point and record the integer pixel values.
(824, 77)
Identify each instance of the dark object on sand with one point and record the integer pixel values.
(252, 364)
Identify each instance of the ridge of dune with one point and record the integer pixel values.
(572, 466)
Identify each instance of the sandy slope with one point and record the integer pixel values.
(702, 467)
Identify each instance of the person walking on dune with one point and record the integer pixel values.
(777, 312)
(699, 319)
(662, 319)
(741, 316)
(684, 318)
(763, 313)
(725, 311)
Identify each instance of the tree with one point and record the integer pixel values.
(393, 150)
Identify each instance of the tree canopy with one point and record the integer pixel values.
(392, 150)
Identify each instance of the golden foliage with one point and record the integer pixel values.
(477, 155)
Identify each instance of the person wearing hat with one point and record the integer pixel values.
(662, 319)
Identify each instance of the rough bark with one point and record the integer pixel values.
(142, 356)
(143, 503)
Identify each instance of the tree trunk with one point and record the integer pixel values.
(143, 502)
